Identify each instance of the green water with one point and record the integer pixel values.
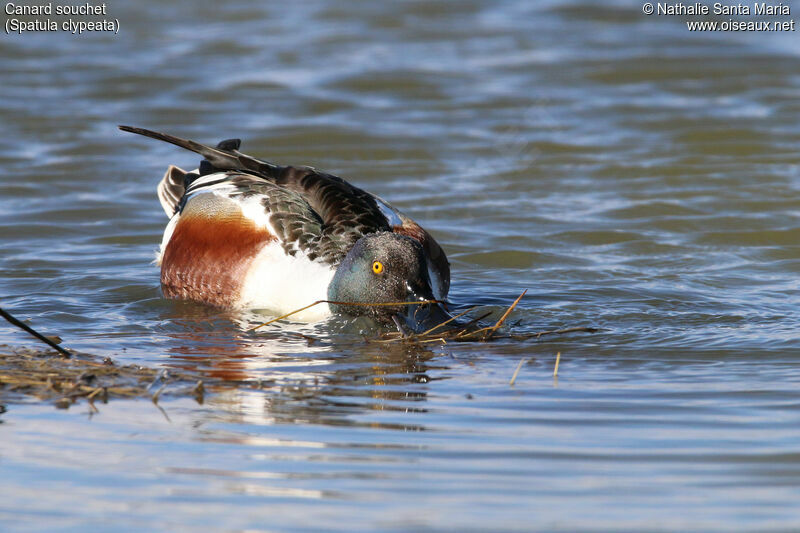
(633, 175)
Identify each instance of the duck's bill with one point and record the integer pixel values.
(421, 318)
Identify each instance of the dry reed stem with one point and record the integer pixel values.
(350, 304)
(464, 332)
(434, 328)
(505, 315)
(516, 372)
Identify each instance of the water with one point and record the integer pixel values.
(634, 176)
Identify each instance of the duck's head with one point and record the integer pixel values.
(381, 268)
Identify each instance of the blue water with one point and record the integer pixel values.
(632, 175)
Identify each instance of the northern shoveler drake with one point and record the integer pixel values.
(247, 233)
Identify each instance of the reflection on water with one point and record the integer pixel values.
(295, 372)
(633, 176)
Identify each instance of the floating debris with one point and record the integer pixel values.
(50, 377)
(467, 332)
(64, 377)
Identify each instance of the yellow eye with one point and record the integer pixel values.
(377, 267)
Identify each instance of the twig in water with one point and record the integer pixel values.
(505, 315)
(349, 304)
(466, 334)
(462, 332)
(558, 360)
(434, 328)
(567, 330)
(519, 366)
(25, 327)
(475, 320)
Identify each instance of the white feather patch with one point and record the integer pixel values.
(280, 284)
(275, 282)
(168, 231)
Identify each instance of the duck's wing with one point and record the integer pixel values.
(284, 214)
(345, 210)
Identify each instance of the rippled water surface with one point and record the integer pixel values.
(632, 175)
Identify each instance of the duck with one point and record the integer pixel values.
(245, 233)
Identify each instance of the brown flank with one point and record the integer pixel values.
(208, 256)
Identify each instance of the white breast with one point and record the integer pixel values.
(280, 284)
